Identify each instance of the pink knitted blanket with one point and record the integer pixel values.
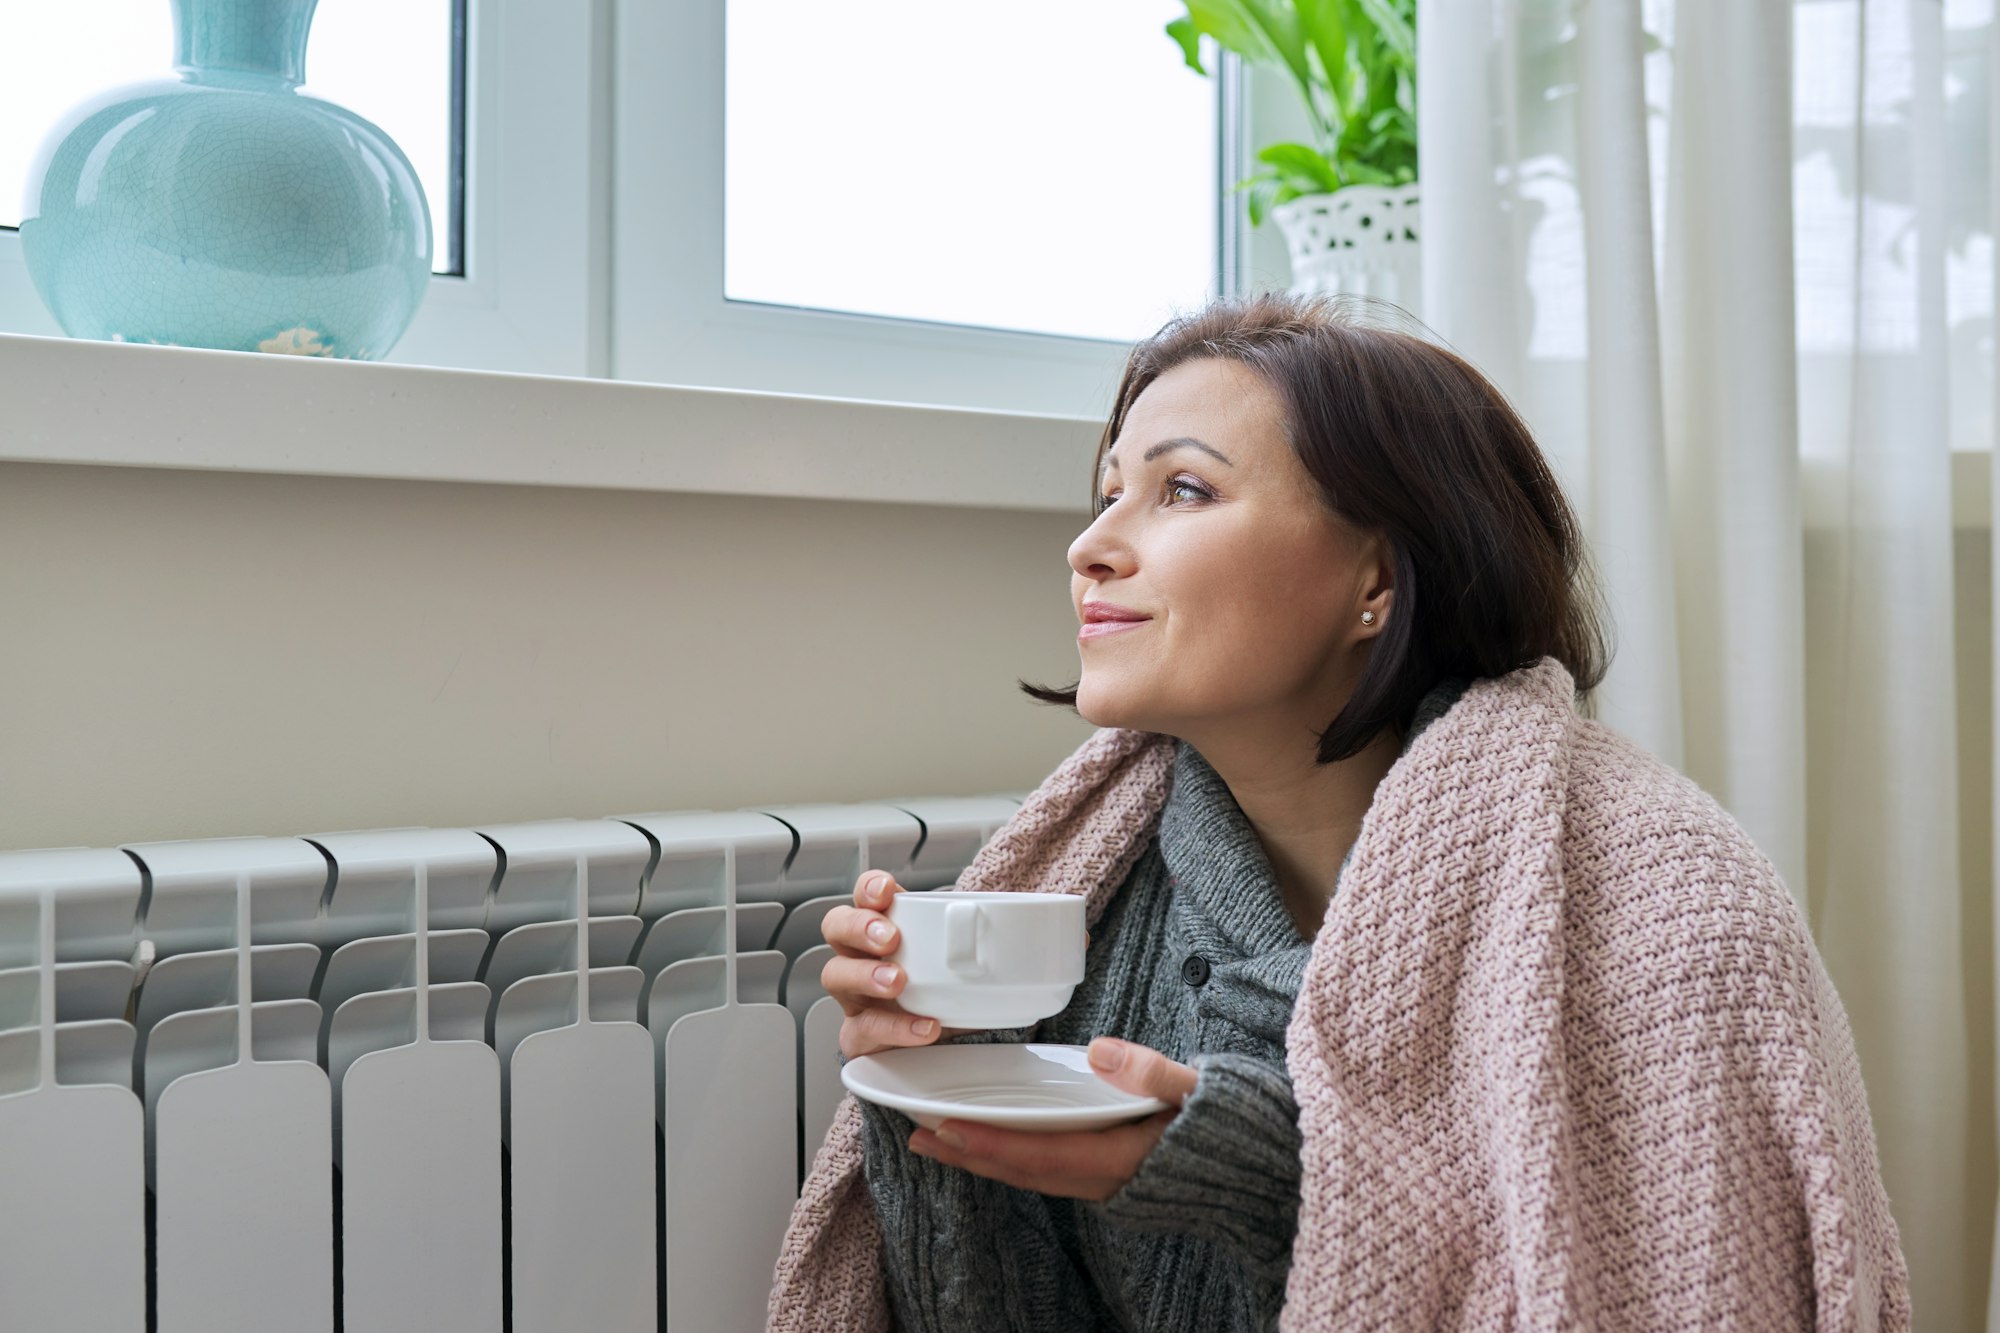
(1565, 1053)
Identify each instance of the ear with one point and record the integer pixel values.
(1375, 581)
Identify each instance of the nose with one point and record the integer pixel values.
(1098, 553)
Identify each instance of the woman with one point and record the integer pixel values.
(1467, 1011)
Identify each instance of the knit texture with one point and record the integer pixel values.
(1564, 1055)
(1201, 1236)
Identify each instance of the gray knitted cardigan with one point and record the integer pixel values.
(1198, 958)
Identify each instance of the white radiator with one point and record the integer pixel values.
(559, 1076)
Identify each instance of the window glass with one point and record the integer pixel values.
(1047, 166)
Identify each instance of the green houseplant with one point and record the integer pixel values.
(1354, 64)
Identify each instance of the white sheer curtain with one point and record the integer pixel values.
(1733, 259)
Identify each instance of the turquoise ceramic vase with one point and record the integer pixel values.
(223, 208)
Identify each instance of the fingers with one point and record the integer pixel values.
(875, 888)
(859, 933)
(863, 937)
(859, 982)
(866, 987)
(864, 930)
(879, 1027)
(1083, 1164)
(1141, 1070)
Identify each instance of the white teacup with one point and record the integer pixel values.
(988, 960)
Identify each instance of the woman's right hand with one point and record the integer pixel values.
(862, 937)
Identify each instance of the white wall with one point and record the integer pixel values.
(191, 654)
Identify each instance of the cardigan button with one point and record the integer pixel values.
(1194, 971)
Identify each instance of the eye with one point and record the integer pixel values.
(1179, 483)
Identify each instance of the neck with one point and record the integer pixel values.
(1305, 813)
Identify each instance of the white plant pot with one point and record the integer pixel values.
(1363, 238)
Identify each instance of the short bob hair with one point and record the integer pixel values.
(1406, 439)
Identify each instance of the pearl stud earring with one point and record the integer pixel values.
(1367, 617)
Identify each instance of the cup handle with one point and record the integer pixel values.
(962, 935)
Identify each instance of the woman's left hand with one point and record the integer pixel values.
(1082, 1164)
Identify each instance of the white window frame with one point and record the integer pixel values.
(670, 323)
(533, 298)
(565, 275)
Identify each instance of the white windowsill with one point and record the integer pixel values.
(65, 400)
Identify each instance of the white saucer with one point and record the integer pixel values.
(1048, 1088)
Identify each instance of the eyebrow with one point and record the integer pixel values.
(1111, 464)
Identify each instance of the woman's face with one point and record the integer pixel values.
(1252, 587)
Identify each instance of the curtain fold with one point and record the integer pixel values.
(1633, 533)
(1732, 424)
(1886, 879)
(1734, 264)
(1992, 738)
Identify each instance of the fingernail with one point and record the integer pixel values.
(885, 976)
(922, 1027)
(949, 1139)
(1107, 1054)
(878, 931)
(882, 885)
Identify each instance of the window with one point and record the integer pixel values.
(520, 263)
(915, 202)
(925, 203)
(1053, 172)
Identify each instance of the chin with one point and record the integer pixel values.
(1102, 707)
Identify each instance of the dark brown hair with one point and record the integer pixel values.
(1407, 439)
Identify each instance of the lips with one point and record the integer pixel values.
(1097, 629)
(1094, 612)
(1102, 618)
